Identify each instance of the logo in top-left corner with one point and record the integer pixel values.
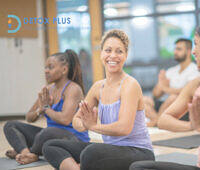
(10, 18)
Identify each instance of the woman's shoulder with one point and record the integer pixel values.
(130, 87)
(73, 87)
(98, 84)
(95, 89)
(131, 82)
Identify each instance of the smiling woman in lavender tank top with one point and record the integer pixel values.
(120, 110)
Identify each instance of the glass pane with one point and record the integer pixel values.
(174, 5)
(76, 35)
(173, 27)
(142, 35)
(117, 8)
(71, 6)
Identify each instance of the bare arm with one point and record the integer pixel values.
(169, 120)
(194, 110)
(157, 91)
(33, 114)
(73, 95)
(170, 90)
(162, 81)
(92, 101)
(37, 108)
(130, 95)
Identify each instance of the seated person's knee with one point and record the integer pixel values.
(88, 157)
(44, 134)
(10, 124)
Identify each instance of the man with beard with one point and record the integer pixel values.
(171, 82)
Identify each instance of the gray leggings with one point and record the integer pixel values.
(152, 165)
(21, 135)
(94, 156)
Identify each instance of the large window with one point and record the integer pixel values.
(123, 8)
(173, 27)
(163, 6)
(76, 35)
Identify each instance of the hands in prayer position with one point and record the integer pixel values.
(44, 99)
(88, 115)
(194, 110)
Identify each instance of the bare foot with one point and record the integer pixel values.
(11, 154)
(26, 158)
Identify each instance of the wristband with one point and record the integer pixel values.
(46, 107)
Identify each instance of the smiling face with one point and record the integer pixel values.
(196, 50)
(113, 55)
(55, 70)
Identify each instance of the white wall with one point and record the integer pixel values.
(21, 72)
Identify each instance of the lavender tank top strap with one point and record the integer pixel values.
(100, 93)
(65, 87)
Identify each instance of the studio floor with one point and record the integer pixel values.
(155, 134)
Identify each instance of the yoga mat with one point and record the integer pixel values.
(9, 164)
(176, 157)
(187, 142)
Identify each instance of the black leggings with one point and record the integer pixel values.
(152, 165)
(94, 156)
(21, 135)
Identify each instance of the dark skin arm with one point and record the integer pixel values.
(37, 109)
(72, 96)
(33, 113)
